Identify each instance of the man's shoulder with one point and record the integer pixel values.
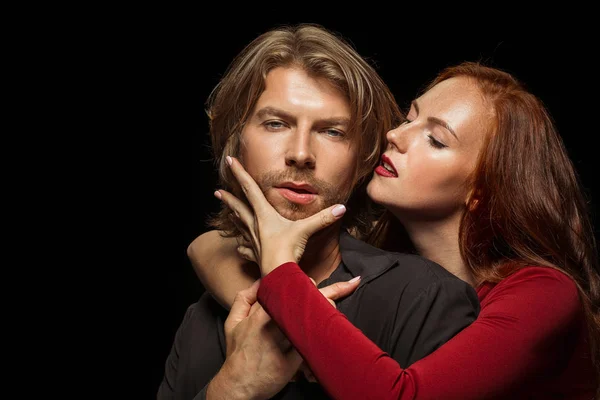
(202, 326)
(207, 304)
(199, 345)
(420, 268)
(411, 276)
(388, 269)
(417, 269)
(204, 311)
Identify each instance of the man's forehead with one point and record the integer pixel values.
(296, 93)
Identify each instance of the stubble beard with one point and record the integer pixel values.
(327, 193)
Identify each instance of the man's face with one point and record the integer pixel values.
(295, 144)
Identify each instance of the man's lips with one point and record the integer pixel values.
(386, 168)
(299, 193)
(298, 187)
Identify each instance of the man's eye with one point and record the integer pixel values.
(274, 124)
(334, 133)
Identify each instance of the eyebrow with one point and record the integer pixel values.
(436, 120)
(276, 112)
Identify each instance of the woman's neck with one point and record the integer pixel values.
(438, 241)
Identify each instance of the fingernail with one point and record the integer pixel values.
(218, 195)
(338, 210)
(229, 160)
(356, 278)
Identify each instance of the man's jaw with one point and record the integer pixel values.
(290, 209)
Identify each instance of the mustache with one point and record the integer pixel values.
(273, 178)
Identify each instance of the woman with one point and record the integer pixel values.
(478, 181)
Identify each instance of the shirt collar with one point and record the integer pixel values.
(363, 259)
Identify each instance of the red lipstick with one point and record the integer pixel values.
(387, 168)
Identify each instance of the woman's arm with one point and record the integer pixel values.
(525, 329)
(222, 271)
(521, 334)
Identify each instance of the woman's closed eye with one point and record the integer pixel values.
(435, 143)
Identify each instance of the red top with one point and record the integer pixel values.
(529, 341)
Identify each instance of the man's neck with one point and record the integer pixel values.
(322, 255)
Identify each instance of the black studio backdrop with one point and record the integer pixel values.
(185, 60)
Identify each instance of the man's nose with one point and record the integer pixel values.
(300, 152)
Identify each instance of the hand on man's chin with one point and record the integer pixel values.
(294, 212)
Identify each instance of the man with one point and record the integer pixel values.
(306, 116)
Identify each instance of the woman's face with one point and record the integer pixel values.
(432, 155)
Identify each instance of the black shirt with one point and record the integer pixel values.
(406, 304)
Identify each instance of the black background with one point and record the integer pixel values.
(179, 60)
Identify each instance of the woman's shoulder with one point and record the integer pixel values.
(542, 277)
(212, 244)
(533, 290)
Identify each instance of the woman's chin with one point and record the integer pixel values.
(375, 194)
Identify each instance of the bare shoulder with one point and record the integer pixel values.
(212, 244)
(220, 268)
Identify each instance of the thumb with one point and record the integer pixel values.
(241, 306)
(339, 290)
(323, 219)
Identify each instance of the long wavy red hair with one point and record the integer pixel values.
(527, 205)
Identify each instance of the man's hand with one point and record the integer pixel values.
(260, 361)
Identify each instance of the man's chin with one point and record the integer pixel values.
(294, 212)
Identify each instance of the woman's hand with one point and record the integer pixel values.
(274, 239)
(246, 304)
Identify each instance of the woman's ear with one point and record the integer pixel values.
(472, 200)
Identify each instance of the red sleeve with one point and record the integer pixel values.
(525, 319)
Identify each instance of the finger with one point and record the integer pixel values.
(332, 303)
(259, 313)
(261, 318)
(244, 248)
(247, 253)
(243, 213)
(339, 290)
(241, 306)
(250, 188)
(329, 300)
(256, 306)
(272, 329)
(308, 373)
(243, 240)
(322, 219)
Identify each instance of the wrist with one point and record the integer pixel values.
(270, 263)
(226, 384)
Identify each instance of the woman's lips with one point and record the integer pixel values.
(383, 171)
